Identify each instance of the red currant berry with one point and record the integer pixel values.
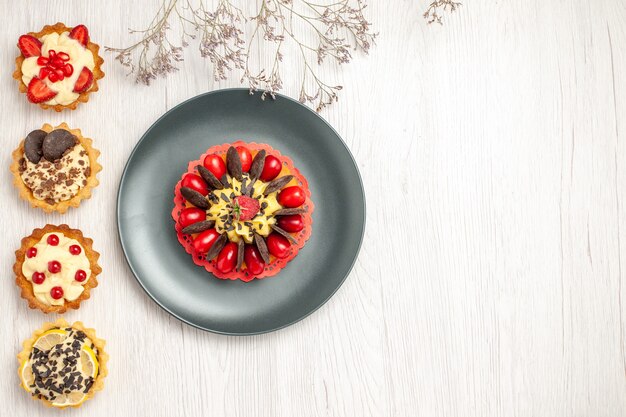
(31, 252)
(75, 250)
(53, 240)
(39, 277)
(54, 267)
(80, 275)
(56, 292)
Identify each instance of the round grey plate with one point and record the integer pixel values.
(166, 271)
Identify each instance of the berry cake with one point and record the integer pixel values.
(58, 67)
(242, 211)
(56, 268)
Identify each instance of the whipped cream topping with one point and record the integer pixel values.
(65, 278)
(80, 57)
(59, 370)
(222, 206)
(60, 180)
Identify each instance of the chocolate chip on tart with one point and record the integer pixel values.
(289, 211)
(217, 247)
(277, 184)
(198, 227)
(194, 197)
(233, 163)
(240, 248)
(56, 143)
(33, 145)
(209, 178)
(284, 233)
(262, 247)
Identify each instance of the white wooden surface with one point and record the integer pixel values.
(493, 151)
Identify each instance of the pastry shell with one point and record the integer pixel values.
(103, 357)
(97, 70)
(83, 194)
(26, 286)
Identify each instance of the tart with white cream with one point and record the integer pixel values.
(56, 268)
(58, 66)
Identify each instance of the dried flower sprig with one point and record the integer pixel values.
(436, 9)
(339, 27)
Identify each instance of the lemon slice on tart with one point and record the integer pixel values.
(74, 398)
(62, 365)
(26, 375)
(89, 361)
(50, 339)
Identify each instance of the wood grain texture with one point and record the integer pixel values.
(491, 282)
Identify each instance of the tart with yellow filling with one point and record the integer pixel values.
(56, 268)
(242, 211)
(62, 365)
(54, 168)
(58, 67)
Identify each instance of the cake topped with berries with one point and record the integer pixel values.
(243, 211)
(58, 67)
(56, 268)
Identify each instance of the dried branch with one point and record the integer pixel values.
(339, 28)
(436, 9)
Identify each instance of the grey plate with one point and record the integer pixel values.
(166, 271)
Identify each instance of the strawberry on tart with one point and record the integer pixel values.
(58, 66)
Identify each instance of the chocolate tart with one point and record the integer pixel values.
(97, 346)
(83, 193)
(83, 96)
(26, 286)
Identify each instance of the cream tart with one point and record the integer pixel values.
(58, 67)
(55, 268)
(54, 168)
(242, 211)
(62, 365)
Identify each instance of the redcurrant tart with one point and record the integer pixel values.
(56, 268)
(253, 217)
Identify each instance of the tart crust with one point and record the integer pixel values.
(82, 97)
(103, 357)
(26, 286)
(276, 264)
(83, 194)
